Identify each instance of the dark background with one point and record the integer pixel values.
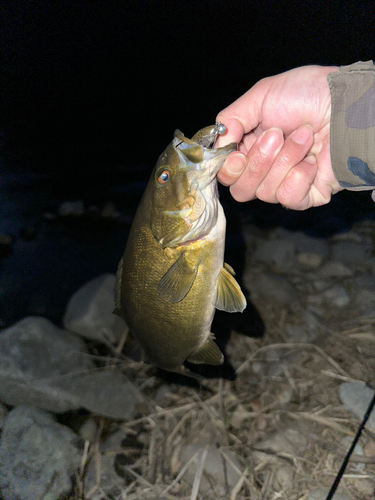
(91, 93)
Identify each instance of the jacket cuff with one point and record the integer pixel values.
(352, 128)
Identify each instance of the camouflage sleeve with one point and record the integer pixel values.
(352, 130)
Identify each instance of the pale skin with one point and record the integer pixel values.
(282, 127)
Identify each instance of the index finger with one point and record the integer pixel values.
(243, 115)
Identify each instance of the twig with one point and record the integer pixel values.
(199, 473)
(239, 484)
(321, 420)
(180, 474)
(297, 346)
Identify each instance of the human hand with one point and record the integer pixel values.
(282, 127)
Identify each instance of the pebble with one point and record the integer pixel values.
(299, 334)
(90, 311)
(88, 430)
(310, 260)
(356, 397)
(71, 208)
(214, 476)
(288, 441)
(274, 288)
(109, 481)
(365, 299)
(369, 449)
(279, 253)
(38, 456)
(333, 269)
(350, 253)
(284, 477)
(3, 414)
(110, 212)
(322, 495)
(5, 239)
(366, 281)
(337, 296)
(365, 487)
(302, 242)
(346, 443)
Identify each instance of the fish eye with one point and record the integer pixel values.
(164, 177)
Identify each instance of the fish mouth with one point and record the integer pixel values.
(201, 163)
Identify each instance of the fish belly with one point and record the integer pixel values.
(169, 332)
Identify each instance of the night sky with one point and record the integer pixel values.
(94, 84)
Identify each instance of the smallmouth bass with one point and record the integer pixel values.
(172, 275)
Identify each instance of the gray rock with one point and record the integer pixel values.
(366, 281)
(71, 208)
(337, 296)
(3, 414)
(348, 252)
(280, 253)
(274, 288)
(214, 475)
(47, 367)
(302, 242)
(348, 236)
(109, 481)
(276, 358)
(288, 441)
(90, 311)
(300, 333)
(88, 430)
(334, 269)
(365, 299)
(322, 495)
(38, 456)
(347, 442)
(284, 477)
(5, 239)
(356, 397)
(310, 260)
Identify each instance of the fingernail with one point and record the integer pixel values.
(236, 163)
(302, 135)
(270, 141)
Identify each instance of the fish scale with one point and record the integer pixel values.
(172, 275)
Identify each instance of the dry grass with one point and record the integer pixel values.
(233, 417)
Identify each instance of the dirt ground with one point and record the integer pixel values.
(279, 430)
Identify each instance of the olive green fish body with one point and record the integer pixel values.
(171, 276)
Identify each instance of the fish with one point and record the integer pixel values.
(172, 275)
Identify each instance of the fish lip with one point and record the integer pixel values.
(212, 168)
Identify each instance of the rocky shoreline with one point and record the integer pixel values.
(79, 418)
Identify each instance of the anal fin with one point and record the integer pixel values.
(208, 354)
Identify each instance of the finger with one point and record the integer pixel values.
(295, 149)
(233, 167)
(259, 161)
(244, 114)
(297, 189)
(234, 133)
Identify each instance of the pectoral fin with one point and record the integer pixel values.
(208, 354)
(229, 296)
(178, 280)
(118, 285)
